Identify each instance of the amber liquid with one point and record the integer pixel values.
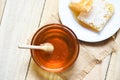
(65, 48)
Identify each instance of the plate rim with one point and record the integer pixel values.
(96, 40)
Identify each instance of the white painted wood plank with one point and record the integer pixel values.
(114, 68)
(49, 16)
(36, 73)
(2, 5)
(20, 19)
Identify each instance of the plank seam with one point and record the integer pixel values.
(28, 68)
(108, 67)
(3, 12)
(42, 13)
(31, 57)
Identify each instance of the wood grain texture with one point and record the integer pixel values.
(114, 68)
(20, 19)
(2, 6)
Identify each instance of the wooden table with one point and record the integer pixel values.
(18, 20)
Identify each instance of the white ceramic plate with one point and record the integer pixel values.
(84, 34)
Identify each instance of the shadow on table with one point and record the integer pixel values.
(45, 75)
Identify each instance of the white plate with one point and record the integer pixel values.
(84, 34)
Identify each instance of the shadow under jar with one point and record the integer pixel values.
(66, 47)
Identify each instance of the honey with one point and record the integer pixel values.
(66, 47)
